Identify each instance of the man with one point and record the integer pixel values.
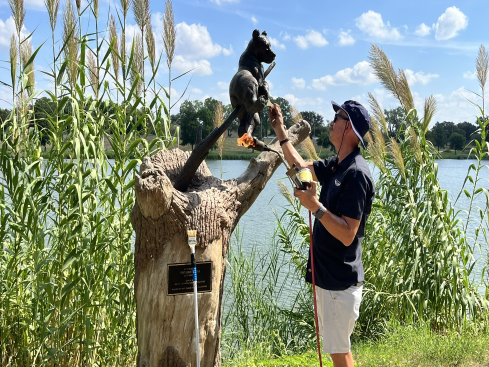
(343, 206)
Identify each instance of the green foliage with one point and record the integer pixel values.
(253, 317)
(323, 140)
(314, 119)
(191, 115)
(266, 129)
(4, 118)
(417, 264)
(457, 141)
(441, 133)
(413, 345)
(419, 254)
(66, 262)
(394, 119)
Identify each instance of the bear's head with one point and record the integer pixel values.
(262, 47)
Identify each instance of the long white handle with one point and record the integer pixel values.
(197, 343)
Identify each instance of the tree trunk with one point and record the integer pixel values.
(161, 217)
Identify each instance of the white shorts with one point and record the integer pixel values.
(337, 313)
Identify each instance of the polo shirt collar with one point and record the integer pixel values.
(350, 157)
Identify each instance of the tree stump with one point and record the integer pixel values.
(161, 217)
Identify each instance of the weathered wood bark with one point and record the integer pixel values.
(161, 217)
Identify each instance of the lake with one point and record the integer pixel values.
(258, 224)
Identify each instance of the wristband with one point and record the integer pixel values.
(320, 212)
(282, 142)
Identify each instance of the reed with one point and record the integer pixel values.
(418, 254)
(70, 41)
(66, 262)
(169, 36)
(137, 66)
(115, 47)
(481, 66)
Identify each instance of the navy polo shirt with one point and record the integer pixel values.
(346, 189)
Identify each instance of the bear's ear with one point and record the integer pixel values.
(256, 34)
(264, 33)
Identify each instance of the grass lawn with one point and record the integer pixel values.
(404, 346)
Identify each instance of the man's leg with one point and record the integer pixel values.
(342, 359)
(337, 313)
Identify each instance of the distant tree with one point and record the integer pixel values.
(188, 118)
(44, 111)
(205, 114)
(439, 136)
(323, 137)
(266, 128)
(285, 107)
(457, 141)
(468, 129)
(314, 119)
(227, 109)
(394, 119)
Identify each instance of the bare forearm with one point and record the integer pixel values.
(338, 227)
(343, 228)
(290, 153)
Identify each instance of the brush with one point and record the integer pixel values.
(192, 242)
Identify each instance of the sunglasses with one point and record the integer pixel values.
(336, 115)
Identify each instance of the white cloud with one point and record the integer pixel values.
(35, 3)
(361, 73)
(422, 30)
(301, 42)
(346, 39)
(276, 43)
(470, 74)
(220, 2)
(372, 24)
(201, 67)
(270, 85)
(7, 28)
(455, 107)
(285, 36)
(254, 20)
(228, 51)
(313, 38)
(223, 85)
(194, 42)
(298, 83)
(301, 102)
(419, 77)
(450, 23)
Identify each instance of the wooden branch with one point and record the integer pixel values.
(184, 179)
(161, 217)
(253, 180)
(154, 190)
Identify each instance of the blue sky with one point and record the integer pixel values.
(322, 47)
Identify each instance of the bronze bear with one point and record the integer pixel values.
(248, 87)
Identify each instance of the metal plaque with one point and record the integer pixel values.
(180, 278)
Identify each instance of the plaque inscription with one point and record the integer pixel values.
(180, 278)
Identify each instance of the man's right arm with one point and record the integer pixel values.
(290, 153)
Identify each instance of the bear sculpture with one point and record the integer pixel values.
(248, 87)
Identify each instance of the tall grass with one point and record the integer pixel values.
(423, 265)
(261, 312)
(66, 260)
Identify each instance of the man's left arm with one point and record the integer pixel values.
(351, 204)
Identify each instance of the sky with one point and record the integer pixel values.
(322, 48)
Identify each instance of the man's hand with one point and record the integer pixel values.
(308, 198)
(277, 121)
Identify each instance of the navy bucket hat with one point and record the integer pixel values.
(358, 115)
